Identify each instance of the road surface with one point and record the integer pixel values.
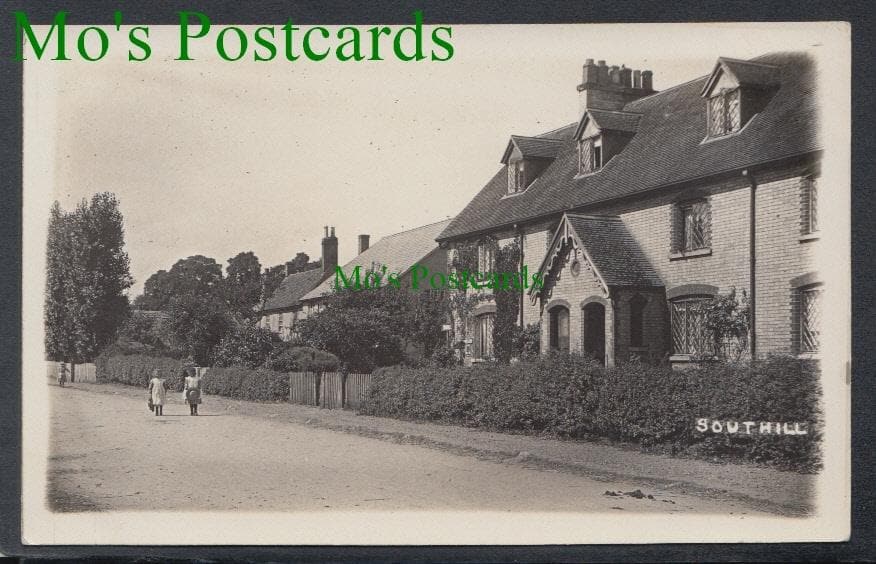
(108, 452)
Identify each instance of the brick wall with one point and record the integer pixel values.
(782, 255)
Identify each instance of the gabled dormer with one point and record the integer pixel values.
(601, 135)
(735, 92)
(526, 158)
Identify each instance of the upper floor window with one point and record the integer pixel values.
(724, 115)
(589, 155)
(810, 205)
(691, 229)
(516, 177)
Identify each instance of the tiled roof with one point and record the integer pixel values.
(398, 252)
(667, 149)
(617, 121)
(749, 72)
(292, 288)
(533, 147)
(613, 250)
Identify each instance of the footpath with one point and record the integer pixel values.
(767, 489)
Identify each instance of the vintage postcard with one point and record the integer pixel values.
(436, 284)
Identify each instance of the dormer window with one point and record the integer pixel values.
(735, 93)
(724, 115)
(516, 177)
(589, 155)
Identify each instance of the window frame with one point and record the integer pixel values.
(702, 344)
(594, 151)
(517, 176)
(810, 203)
(726, 126)
(680, 244)
(806, 331)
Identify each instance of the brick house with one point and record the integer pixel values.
(283, 309)
(302, 294)
(654, 202)
(398, 252)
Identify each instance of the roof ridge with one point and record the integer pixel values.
(749, 61)
(593, 216)
(541, 135)
(414, 229)
(618, 111)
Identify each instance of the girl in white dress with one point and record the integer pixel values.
(158, 391)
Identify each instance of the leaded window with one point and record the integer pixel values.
(724, 115)
(516, 177)
(485, 257)
(689, 333)
(694, 226)
(589, 155)
(810, 319)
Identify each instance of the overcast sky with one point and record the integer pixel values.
(213, 157)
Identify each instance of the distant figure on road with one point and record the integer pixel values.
(192, 391)
(62, 374)
(158, 391)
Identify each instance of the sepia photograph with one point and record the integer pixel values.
(433, 284)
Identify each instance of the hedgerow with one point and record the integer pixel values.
(656, 407)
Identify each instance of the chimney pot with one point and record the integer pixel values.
(637, 79)
(333, 231)
(614, 74)
(364, 241)
(626, 77)
(646, 80)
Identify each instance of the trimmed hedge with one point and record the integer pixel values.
(655, 407)
(236, 382)
(136, 370)
(303, 359)
(240, 382)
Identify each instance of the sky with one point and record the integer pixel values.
(215, 158)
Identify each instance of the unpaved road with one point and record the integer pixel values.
(108, 452)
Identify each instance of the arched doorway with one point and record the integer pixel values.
(559, 328)
(593, 329)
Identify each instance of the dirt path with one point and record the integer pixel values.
(110, 452)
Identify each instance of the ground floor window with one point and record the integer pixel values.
(810, 319)
(689, 334)
(484, 336)
(559, 329)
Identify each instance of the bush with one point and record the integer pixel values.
(236, 382)
(655, 407)
(246, 345)
(303, 359)
(136, 370)
(240, 382)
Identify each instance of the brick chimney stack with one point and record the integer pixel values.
(329, 252)
(364, 241)
(611, 87)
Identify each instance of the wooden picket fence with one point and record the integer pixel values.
(84, 372)
(329, 390)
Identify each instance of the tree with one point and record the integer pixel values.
(196, 276)
(243, 284)
(370, 328)
(507, 298)
(87, 275)
(274, 275)
(195, 326)
(247, 345)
